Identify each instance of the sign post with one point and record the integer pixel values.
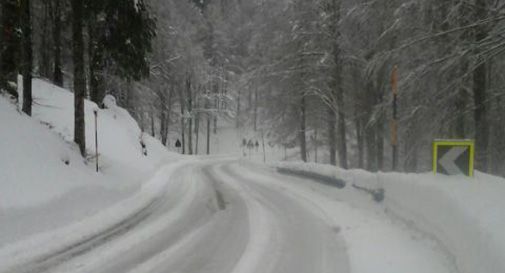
(454, 157)
(96, 137)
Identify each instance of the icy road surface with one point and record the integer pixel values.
(229, 217)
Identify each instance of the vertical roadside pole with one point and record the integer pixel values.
(394, 122)
(96, 137)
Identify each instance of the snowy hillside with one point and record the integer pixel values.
(44, 178)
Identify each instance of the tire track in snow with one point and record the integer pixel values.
(260, 253)
(214, 247)
(301, 242)
(375, 242)
(166, 228)
(50, 261)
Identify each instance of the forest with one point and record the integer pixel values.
(310, 74)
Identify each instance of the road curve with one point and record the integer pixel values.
(211, 219)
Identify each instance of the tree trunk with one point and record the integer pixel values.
(168, 113)
(79, 76)
(238, 110)
(27, 62)
(163, 118)
(96, 67)
(316, 146)
(459, 128)
(480, 96)
(380, 144)
(208, 135)
(249, 101)
(215, 106)
(153, 127)
(256, 109)
(498, 160)
(215, 124)
(361, 143)
(9, 53)
(128, 93)
(142, 121)
(332, 121)
(411, 159)
(303, 126)
(183, 123)
(57, 73)
(342, 131)
(44, 61)
(371, 158)
(197, 132)
(379, 126)
(480, 116)
(338, 90)
(190, 111)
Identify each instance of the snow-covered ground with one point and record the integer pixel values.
(228, 140)
(224, 214)
(374, 242)
(466, 216)
(46, 184)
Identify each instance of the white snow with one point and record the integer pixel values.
(39, 191)
(262, 236)
(38, 245)
(51, 198)
(118, 133)
(32, 159)
(466, 216)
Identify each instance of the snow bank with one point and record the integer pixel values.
(33, 161)
(466, 216)
(119, 136)
(46, 184)
(35, 247)
(122, 161)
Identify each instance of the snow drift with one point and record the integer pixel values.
(465, 215)
(46, 184)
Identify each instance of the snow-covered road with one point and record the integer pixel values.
(224, 216)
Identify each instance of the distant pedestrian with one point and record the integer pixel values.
(178, 145)
(250, 144)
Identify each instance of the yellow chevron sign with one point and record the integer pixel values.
(454, 157)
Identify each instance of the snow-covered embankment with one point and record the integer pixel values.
(46, 184)
(465, 215)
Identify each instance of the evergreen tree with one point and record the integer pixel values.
(79, 75)
(120, 39)
(9, 51)
(57, 7)
(480, 86)
(27, 60)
